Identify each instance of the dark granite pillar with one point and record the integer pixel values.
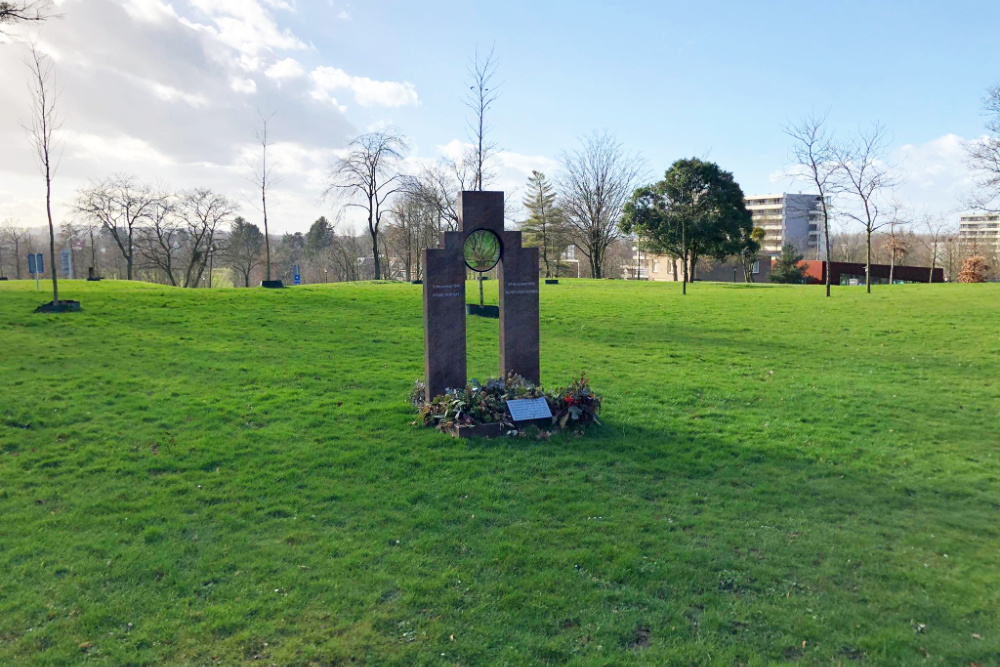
(444, 317)
(444, 299)
(518, 276)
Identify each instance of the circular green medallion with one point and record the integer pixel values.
(482, 250)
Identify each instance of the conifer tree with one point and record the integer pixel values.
(544, 225)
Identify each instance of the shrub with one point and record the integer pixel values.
(477, 403)
(974, 270)
(787, 268)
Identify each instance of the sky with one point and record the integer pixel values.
(169, 90)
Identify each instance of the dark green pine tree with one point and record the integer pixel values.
(544, 226)
(786, 268)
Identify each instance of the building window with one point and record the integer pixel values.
(756, 268)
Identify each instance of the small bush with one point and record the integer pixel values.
(477, 403)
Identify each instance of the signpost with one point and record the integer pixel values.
(297, 278)
(36, 267)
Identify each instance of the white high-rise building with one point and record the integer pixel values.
(983, 229)
(789, 218)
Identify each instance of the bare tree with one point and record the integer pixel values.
(984, 156)
(263, 180)
(814, 153)
(44, 123)
(935, 232)
(25, 11)
(16, 236)
(898, 248)
(202, 211)
(596, 181)
(159, 242)
(868, 179)
(120, 204)
(483, 92)
(438, 187)
(368, 176)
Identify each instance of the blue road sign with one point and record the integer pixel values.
(31, 263)
(40, 262)
(297, 278)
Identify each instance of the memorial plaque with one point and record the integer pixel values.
(527, 409)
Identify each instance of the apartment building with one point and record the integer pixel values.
(789, 218)
(983, 229)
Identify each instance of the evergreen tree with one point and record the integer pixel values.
(319, 237)
(786, 268)
(544, 225)
(696, 210)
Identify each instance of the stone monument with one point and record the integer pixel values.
(479, 244)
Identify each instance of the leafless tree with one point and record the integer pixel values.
(814, 153)
(868, 179)
(984, 157)
(159, 241)
(438, 187)
(120, 204)
(596, 181)
(936, 230)
(898, 247)
(483, 92)
(368, 176)
(412, 227)
(16, 236)
(44, 123)
(25, 11)
(203, 212)
(263, 180)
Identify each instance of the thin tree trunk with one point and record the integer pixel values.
(868, 261)
(826, 234)
(52, 233)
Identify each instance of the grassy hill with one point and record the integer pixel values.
(213, 477)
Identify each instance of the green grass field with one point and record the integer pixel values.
(229, 476)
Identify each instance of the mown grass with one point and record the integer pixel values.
(230, 476)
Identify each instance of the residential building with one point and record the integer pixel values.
(982, 229)
(789, 218)
(651, 266)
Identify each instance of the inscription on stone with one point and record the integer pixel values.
(526, 409)
(481, 217)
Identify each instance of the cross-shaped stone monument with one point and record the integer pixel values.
(479, 244)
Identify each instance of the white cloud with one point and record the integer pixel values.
(171, 94)
(247, 27)
(935, 175)
(344, 15)
(120, 148)
(367, 92)
(289, 68)
(150, 11)
(243, 85)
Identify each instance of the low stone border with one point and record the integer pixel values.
(64, 306)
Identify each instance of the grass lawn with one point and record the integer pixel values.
(229, 476)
